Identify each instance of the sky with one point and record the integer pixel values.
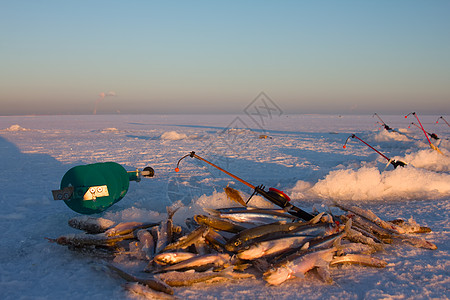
(109, 57)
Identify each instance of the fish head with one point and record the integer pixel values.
(233, 244)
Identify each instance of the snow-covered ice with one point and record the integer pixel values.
(302, 156)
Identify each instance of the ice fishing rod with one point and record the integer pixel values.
(421, 127)
(395, 163)
(382, 123)
(432, 135)
(273, 195)
(441, 117)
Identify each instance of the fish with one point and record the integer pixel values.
(83, 239)
(371, 216)
(170, 258)
(417, 242)
(312, 231)
(127, 227)
(238, 240)
(316, 243)
(150, 281)
(299, 266)
(234, 195)
(165, 231)
(360, 259)
(90, 224)
(219, 224)
(201, 262)
(146, 242)
(358, 237)
(216, 240)
(254, 215)
(144, 292)
(383, 234)
(410, 226)
(190, 277)
(272, 247)
(190, 239)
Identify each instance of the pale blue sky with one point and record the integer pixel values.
(217, 56)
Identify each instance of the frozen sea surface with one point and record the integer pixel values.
(302, 155)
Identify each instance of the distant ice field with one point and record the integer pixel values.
(302, 155)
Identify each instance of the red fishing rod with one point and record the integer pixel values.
(273, 195)
(441, 117)
(421, 127)
(382, 123)
(432, 135)
(395, 163)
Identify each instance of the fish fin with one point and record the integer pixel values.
(348, 226)
(305, 246)
(227, 272)
(316, 219)
(324, 273)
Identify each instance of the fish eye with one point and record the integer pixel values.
(237, 243)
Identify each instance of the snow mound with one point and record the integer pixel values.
(429, 159)
(16, 127)
(368, 183)
(110, 129)
(385, 136)
(173, 136)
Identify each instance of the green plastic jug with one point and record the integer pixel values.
(92, 188)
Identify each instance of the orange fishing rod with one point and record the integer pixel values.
(273, 195)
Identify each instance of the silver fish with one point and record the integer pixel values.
(417, 242)
(319, 242)
(369, 215)
(187, 278)
(170, 258)
(365, 260)
(218, 224)
(238, 240)
(201, 262)
(190, 239)
(410, 226)
(149, 281)
(358, 237)
(299, 266)
(127, 227)
(165, 231)
(90, 224)
(216, 240)
(380, 232)
(272, 247)
(83, 239)
(146, 242)
(255, 216)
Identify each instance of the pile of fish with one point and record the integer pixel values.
(238, 243)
